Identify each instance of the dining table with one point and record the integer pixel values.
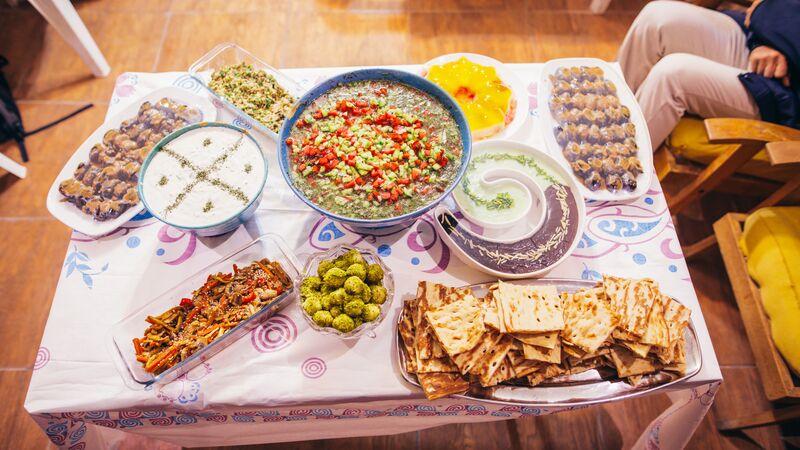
(285, 381)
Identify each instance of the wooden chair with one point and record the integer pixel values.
(776, 378)
(749, 136)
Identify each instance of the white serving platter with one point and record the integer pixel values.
(626, 98)
(69, 214)
(519, 91)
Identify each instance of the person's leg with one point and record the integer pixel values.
(681, 83)
(665, 27)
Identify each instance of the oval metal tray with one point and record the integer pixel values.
(592, 387)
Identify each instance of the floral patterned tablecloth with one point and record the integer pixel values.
(285, 382)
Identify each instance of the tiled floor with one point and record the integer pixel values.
(146, 35)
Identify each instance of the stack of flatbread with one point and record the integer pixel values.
(529, 334)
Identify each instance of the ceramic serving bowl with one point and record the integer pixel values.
(397, 76)
(371, 258)
(224, 225)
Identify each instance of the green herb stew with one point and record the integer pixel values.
(374, 150)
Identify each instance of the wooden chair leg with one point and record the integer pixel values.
(692, 250)
(771, 417)
(709, 242)
(779, 194)
(722, 167)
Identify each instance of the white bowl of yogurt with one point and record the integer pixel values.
(206, 178)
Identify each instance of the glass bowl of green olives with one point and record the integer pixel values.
(345, 291)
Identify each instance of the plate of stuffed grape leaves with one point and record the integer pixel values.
(95, 193)
(594, 127)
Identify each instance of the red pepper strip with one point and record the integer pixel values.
(186, 302)
(210, 284)
(263, 267)
(137, 346)
(166, 356)
(209, 330)
(191, 314)
(249, 298)
(235, 268)
(223, 280)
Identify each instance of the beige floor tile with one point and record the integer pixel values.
(346, 39)
(569, 35)
(583, 5)
(49, 151)
(502, 35)
(53, 71)
(190, 36)
(230, 6)
(121, 5)
(35, 251)
(411, 5)
(19, 431)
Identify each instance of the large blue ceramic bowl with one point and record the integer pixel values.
(398, 76)
(224, 226)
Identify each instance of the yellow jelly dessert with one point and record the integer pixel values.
(486, 101)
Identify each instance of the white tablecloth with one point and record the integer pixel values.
(285, 382)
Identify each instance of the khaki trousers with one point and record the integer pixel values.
(680, 58)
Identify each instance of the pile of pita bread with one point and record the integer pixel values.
(529, 334)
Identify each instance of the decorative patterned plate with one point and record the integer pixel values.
(531, 243)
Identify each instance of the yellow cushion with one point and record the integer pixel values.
(771, 242)
(689, 140)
